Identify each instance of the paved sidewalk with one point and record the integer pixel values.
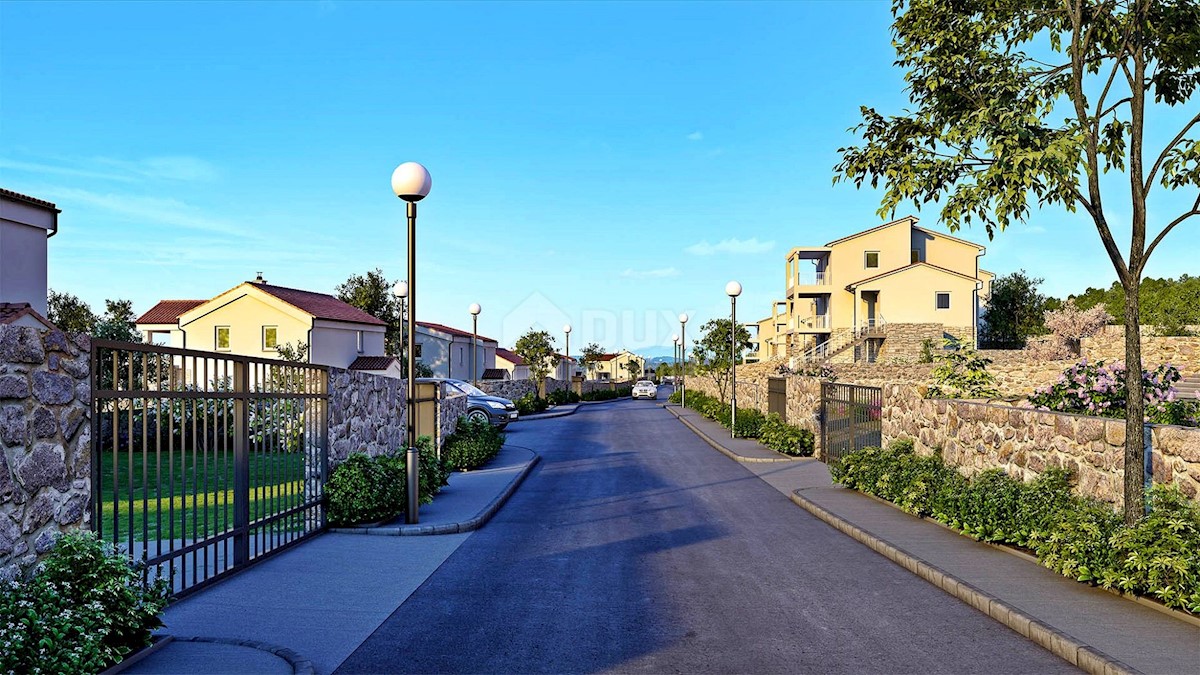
(1096, 630)
(741, 449)
(308, 608)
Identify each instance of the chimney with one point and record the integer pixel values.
(258, 279)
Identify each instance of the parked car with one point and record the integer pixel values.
(480, 404)
(645, 389)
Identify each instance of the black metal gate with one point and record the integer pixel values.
(777, 396)
(204, 462)
(850, 419)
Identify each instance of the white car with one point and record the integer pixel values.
(645, 389)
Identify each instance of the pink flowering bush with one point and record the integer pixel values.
(1099, 389)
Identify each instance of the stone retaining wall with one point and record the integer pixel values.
(45, 441)
(977, 435)
(1109, 345)
(509, 389)
(1024, 442)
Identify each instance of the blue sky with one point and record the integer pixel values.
(608, 164)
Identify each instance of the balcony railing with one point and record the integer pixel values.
(817, 322)
(812, 278)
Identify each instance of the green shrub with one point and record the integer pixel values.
(366, 489)
(785, 438)
(562, 396)
(531, 404)
(472, 445)
(1159, 556)
(83, 611)
(602, 394)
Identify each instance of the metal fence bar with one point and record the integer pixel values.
(212, 461)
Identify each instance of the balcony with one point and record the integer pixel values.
(813, 324)
(810, 283)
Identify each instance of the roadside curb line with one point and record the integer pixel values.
(300, 665)
(548, 415)
(1060, 644)
(468, 525)
(729, 453)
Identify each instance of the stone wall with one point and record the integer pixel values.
(450, 408)
(1109, 345)
(45, 441)
(904, 341)
(509, 389)
(1024, 442)
(366, 414)
(515, 389)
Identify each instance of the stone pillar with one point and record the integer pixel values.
(45, 441)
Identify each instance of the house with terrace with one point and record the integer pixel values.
(876, 295)
(255, 318)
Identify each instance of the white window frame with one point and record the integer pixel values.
(935, 301)
(865, 262)
(359, 340)
(265, 347)
(217, 339)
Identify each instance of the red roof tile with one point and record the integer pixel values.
(452, 331)
(321, 305)
(168, 311)
(510, 356)
(372, 362)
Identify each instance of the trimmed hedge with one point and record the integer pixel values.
(471, 445)
(365, 489)
(607, 394)
(1084, 539)
(769, 429)
(531, 404)
(562, 396)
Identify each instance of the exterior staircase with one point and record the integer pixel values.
(825, 351)
(1188, 388)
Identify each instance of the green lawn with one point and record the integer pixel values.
(194, 497)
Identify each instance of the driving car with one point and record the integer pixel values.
(480, 405)
(645, 389)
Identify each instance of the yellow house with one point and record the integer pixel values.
(612, 366)
(877, 294)
(254, 318)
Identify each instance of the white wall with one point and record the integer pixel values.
(335, 343)
(22, 262)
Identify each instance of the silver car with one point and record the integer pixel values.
(645, 389)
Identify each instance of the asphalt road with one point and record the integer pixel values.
(635, 547)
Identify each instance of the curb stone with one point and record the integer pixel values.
(299, 664)
(725, 451)
(479, 520)
(1060, 644)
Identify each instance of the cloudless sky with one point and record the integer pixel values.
(609, 164)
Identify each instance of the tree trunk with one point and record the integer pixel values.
(1135, 408)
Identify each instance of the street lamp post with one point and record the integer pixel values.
(733, 289)
(675, 359)
(683, 319)
(474, 309)
(400, 290)
(570, 375)
(411, 182)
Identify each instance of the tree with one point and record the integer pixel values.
(711, 352)
(117, 323)
(1015, 310)
(296, 353)
(1171, 306)
(537, 348)
(591, 357)
(1068, 326)
(69, 313)
(995, 128)
(635, 369)
(372, 293)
